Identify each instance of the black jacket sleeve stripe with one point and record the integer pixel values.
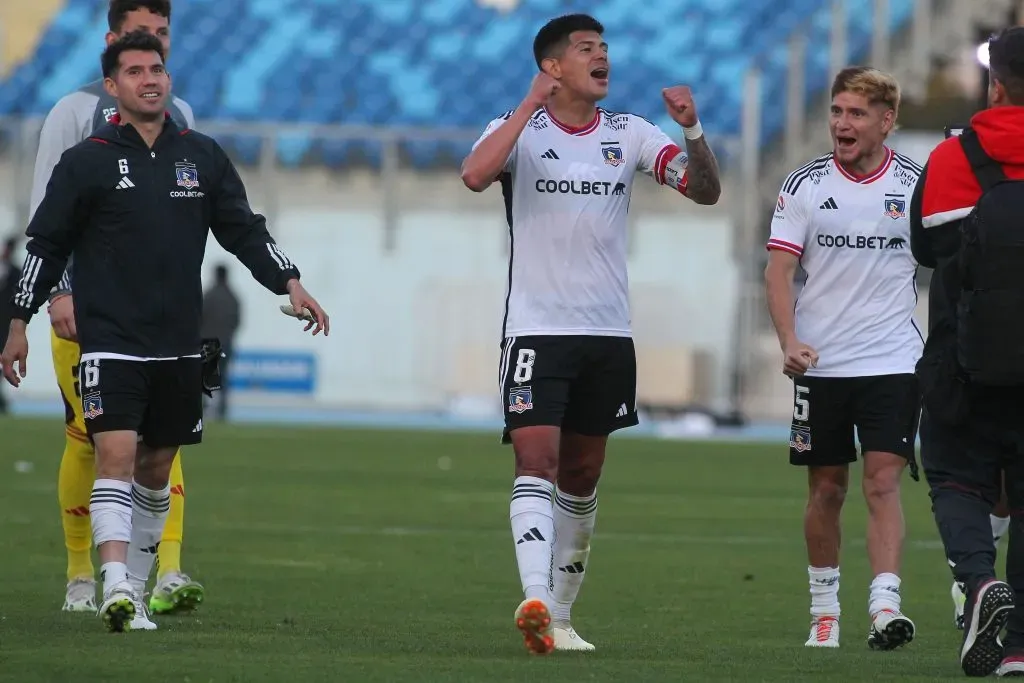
(244, 233)
(52, 234)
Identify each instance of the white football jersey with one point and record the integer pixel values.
(856, 306)
(566, 195)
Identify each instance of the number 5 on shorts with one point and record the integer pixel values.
(801, 406)
(524, 366)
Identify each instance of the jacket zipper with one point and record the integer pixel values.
(154, 167)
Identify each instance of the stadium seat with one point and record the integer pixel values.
(437, 63)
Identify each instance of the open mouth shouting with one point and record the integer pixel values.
(845, 142)
(600, 75)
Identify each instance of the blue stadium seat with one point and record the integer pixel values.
(447, 63)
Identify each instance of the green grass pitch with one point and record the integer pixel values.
(365, 556)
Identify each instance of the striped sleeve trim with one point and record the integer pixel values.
(797, 177)
(783, 245)
(25, 293)
(280, 258)
(908, 164)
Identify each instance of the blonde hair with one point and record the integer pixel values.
(877, 86)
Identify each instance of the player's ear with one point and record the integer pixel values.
(888, 120)
(111, 37)
(551, 67)
(110, 86)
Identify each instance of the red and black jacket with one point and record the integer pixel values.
(945, 193)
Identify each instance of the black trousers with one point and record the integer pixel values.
(964, 464)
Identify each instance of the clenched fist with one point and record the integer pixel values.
(541, 90)
(679, 102)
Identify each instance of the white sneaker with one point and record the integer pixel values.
(889, 630)
(80, 596)
(959, 600)
(567, 639)
(1011, 667)
(824, 632)
(118, 608)
(141, 620)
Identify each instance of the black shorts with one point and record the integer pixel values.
(161, 400)
(884, 410)
(583, 384)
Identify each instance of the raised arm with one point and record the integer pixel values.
(493, 153)
(702, 181)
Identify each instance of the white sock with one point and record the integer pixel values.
(149, 512)
(1000, 525)
(885, 594)
(574, 525)
(824, 591)
(533, 530)
(110, 510)
(113, 573)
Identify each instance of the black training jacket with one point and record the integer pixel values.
(137, 220)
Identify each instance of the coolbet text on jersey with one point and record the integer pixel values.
(852, 235)
(566, 195)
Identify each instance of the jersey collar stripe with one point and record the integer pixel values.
(589, 128)
(871, 177)
(782, 245)
(667, 154)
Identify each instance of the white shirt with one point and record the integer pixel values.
(856, 308)
(566, 196)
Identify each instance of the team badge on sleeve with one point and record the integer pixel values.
(520, 399)
(188, 176)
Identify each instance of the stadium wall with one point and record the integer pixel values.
(416, 327)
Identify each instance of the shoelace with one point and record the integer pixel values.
(824, 629)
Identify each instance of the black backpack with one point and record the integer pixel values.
(990, 312)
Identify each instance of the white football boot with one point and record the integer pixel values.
(959, 601)
(80, 596)
(824, 632)
(118, 608)
(566, 638)
(889, 630)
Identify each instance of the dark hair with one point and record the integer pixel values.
(120, 8)
(554, 36)
(135, 40)
(1006, 61)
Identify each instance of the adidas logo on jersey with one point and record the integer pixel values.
(829, 204)
(125, 184)
(550, 154)
(622, 412)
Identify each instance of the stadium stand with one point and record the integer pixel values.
(437, 63)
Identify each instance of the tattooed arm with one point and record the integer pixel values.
(703, 184)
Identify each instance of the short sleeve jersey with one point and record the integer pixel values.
(566, 194)
(852, 235)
